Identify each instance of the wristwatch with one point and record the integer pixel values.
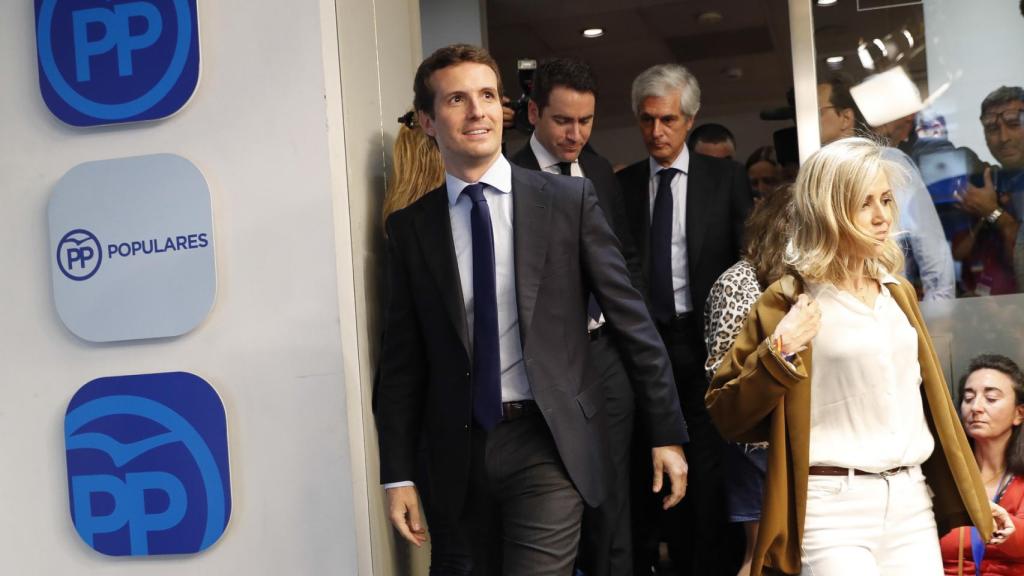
(994, 215)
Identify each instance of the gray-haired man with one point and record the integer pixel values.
(686, 212)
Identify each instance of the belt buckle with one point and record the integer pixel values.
(890, 472)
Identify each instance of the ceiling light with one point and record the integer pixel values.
(733, 72)
(834, 59)
(909, 37)
(709, 18)
(827, 2)
(865, 57)
(881, 47)
(593, 32)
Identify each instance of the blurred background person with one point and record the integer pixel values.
(1002, 119)
(416, 167)
(764, 172)
(732, 296)
(902, 134)
(992, 408)
(713, 140)
(984, 244)
(927, 255)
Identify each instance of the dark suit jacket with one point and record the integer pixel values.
(664, 427)
(718, 201)
(563, 249)
(609, 198)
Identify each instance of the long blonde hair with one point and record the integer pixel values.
(417, 167)
(829, 189)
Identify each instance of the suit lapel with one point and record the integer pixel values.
(434, 228)
(698, 189)
(527, 159)
(531, 212)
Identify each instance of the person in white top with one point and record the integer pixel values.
(868, 507)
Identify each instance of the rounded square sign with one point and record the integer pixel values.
(131, 248)
(117, 60)
(147, 462)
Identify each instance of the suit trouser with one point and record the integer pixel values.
(700, 539)
(522, 513)
(606, 546)
(870, 526)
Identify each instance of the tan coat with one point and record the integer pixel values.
(756, 396)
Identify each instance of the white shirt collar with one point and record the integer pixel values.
(545, 159)
(498, 176)
(682, 162)
(817, 288)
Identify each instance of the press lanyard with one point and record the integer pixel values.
(977, 544)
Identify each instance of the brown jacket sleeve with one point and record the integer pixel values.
(752, 379)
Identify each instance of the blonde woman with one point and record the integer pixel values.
(834, 367)
(417, 168)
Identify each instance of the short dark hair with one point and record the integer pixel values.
(1000, 363)
(568, 73)
(762, 154)
(1002, 95)
(841, 99)
(710, 133)
(423, 92)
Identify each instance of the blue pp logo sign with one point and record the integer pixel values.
(79, 254)
(104, 62)
(147, 459)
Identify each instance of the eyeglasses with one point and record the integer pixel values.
(1010, 118)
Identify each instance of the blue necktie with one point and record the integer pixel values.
(663, 300)
(486, 357)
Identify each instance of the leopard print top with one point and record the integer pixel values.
(731, 298)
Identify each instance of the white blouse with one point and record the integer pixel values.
(866, 406)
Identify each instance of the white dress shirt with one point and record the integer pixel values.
(549, 163)
(680, 272)
(866, 407)
(498, 193)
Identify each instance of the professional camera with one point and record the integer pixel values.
(526, 67)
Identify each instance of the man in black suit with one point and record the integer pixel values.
(484, 352)
(686, 212)
(562, 112)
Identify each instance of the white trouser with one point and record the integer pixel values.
(870, 526)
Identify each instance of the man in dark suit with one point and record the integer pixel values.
(484, 353)
(686, 212)
(562, 113)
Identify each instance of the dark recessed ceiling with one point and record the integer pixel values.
(751, 35)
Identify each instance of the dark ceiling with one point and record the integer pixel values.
(751, 38)
(743, 60)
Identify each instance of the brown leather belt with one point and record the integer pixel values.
(840, 471)
(515, 410)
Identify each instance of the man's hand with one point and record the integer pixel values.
(979, 202)
(670, 460)
(508, 114)
(1003, 522)
(404, 511)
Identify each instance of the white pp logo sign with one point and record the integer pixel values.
(131, 248)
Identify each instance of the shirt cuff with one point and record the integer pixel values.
(401, 484)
